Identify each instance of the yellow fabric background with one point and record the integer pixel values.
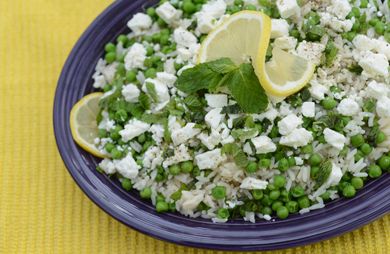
(41, 209)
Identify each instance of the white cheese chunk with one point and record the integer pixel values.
(287, 8)
(374, 64)
(212, 140)
(127, 167)
(216, 8)
(285, 42)
(311, 51)
(340, 8)
(210, 159)
(335, 176)
(184, 38)
(133, 129)
(288, 124)
(135, 57)
(107, 166)
(297, 138)
(181, 135)
(168, 13)
(383, 107)
(251, 183)
(214, 117)
(206, 23)
(348, 107)
(334, 138)
(363, 42)
(216, 100)
(377, 90)
(189, 201)
(318, 91)
(140, 23)
(308, 109)
(131, 93)
(279, 28)
(263, 144)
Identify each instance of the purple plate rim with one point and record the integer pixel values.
(336, 218)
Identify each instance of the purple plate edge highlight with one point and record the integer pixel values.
(336, 218)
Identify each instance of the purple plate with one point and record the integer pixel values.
(336, 218)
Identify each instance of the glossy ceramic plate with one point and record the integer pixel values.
(336, 218)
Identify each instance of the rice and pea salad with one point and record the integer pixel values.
(189, 144)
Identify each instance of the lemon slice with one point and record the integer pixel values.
(245, 36)
(83, 123)
(285, 74)
(241, 37)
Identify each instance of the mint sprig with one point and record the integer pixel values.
(241, 81)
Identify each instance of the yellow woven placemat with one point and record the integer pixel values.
(41, 209)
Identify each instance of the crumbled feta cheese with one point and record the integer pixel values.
(169, 66)
(383, 107)
(311, 51)
(127, 167)
(183, 55)
(160, 88)
(336, 24)
(288, 8)
(216, 100)
(107, 166)
(99, 81)
(157, 131)
(318, 91)
(251, 183)
(340, 8)
(180, 154)
(152, 157)
(168, 13)
(206, 23)
(363, 42)
(215, 8)
(133, 129)
(308, 109)
(377, 90)
(189, 201)
(184, 38)
(348, 107)
(382, 47)
(109, 72)
(166, 78)
(136, 56)
(298, 137)
(334, 138)
(285, 42)
(139, 23)
(214, 117)
(247, 148)
(131, 93)
(210, 141)
(181, 135)
(210, 159)
(374, 64)
(231, 172)
(263, 144)
(106, 123)
(335, 176)
(288, 124)
(279, 28)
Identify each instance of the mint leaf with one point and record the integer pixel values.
(152, 91)
(246, 89)
(144, 101)
(193, 102)
(244, 134)
(323, 173)
(231, 109)
(236, 152)
(222, 65)
(198, 78)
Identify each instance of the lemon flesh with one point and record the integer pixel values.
(83, 123)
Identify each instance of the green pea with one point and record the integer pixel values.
(359, 155)
(187, 166)
(314, 172)
(195, 172)
(141, 138)
(329, 103)
(304, 202)
(266, 201)
(295, 33)
(325, 196)
(307, 149)
(189, 7)
(356, 26)
(149, 51)
(380, 137)
(110, 47)
(373, 22)
(162, 206)
(274, 132)
(116, 154)
(151, 12)
(110, 57)
(357, 140)
(379, 28)
(274, 195)
(283, 164)
(292, 206)
(251, 167)
(257, 194)
(355, 11)
(146, 193)
(266, 210)
(223, 213)
(297, 191)
(384, 162)
(250, 7)
(349, 191)
(315, 159)
(357, 182)
(174, 170)
(363, 3)
(150, 73)
(122, 38)
(291, 161)
(279, 181)
(366, 149)
(164, 39)
(108, 147)
(102, 133)
(161, 22)
(282, 212)
(374, 171)
(126, 184)
(131, 76)
(218, 192)
(264, 163)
